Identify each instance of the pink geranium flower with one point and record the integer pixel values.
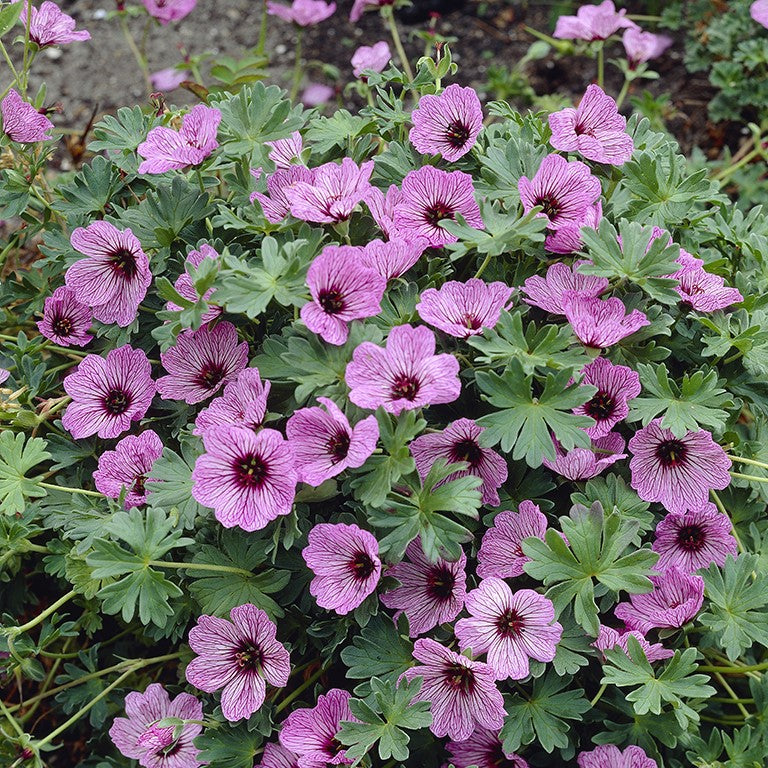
(701, 290)
(567, 238)
(304, 13)
(108, 393)
(374, 57)
(286, 152)
(429, 593)
(114, 278)
(345, 561)
(609, 638)
(247, 479)
(166, 149)
(483, 749)
(643, 46)
(759, 12)
(316, 94)
(277, 756)
(462, 692)
(548, 292)
(382, 207)
(242, 404)
(169, 79)
(275, 203)
(4, 374)
(600, 323)
(166, 11)
(127, 468)
(65, 320)
(610, 756)
(595, 129)
(585, 463)
(407, 374)
(393, 258)
(593, 22)
(325, 444)
(360, 5)
(186, 287)
(22, 122)
(464, 309)
(49, 25)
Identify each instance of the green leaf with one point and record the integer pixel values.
(9, 15)
(229, 746)
(16, 459)
(613, 494)
(90, 190)
(325, 133)
(524, 424)
(121, 134)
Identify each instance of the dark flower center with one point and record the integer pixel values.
(124, 261)
(249, 657)
(457, 134)
(405, 388)
(338, 446)
(438, 212)
(671, 453)
(250, 471)
(63, 326)
(471, 322)
(467, 450)
(510, 623)
(139, 485)
(440, 583)
(117, 401)
(691, 538)
(549, 206)
(582, 130)
(362, 566)
(210, 375)
(460, 678)
(496, 757)
(333, 747)
(331, 301)
(600, 407)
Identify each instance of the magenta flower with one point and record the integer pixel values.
(65, 320)
(567, 238)
(114, 278)
(564, 190)
(679, 472)
(448, 124)
(616, 386)
(342, 289)
(137, 736)
(21, 121)
(643, 46)
(383, 206)
(585, 463)
(759, 12)
(429, 196)
(277, 756)
(128, 467)
(429, 593)
(345, 561)
(166, 149)
(333, 193)
(200, 362)
(50, 26)
(483, 749)
(694, 539)
(393, 258)
(360, 6)
(247, 479)
(548, 292)
(464, 309)
(458, 442)
(275, 203)
(240, 657)
(600, 323)
(701, 290)
(609, 638)
(325, 444)
(462, 692)
(676, 598)
(316, 94)
(610, 756)
(108, 393)
(186, 287)
(311, 733)
(4, 374)
(406, 374)
(286, 152)
(374, 57)
(595, 129)
(166, 11)
(169, 79)
(593, 22)
(242, 404)
(510, 627)
(302, 12)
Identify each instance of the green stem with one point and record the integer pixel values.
(734, 670)
(486, 262)
(200, 182)
(599, 694)
(723, 175)
(262, 30)
(751, 478)
(40, 618)
(140, 60)
(14, 72)
(67, 489)
(744, 711)
(11, 719)
(743, 460)
(601, 64)
(297, 70)
(200, 567)
(389, 15)
(719, 504)
(26, 62)
(303, 687)
(623, 93)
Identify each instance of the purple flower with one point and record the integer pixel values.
(316, 94)
(325, 444)
(679, 472)
(345, 561)
(406, 374)
(247, 479)
(302, 12)
(186, 287)
(240, 657)
(548, 292)
(4, 374)
(429, 593)
(374, 57)
(609, 638)
(169, 79)
(242, 404)
(567, 238)
(600, 323)
(342, 289)
(464, 309)
(610, 756)
(462, 692)
(447, 124)
(114, 278)
(166, 11)
(595, 129)
(584, 463)
(393, 258)
(21, 121)
(332, 194)
(429, 196)
(311, 733)
(108, 393)
(138, 738)
(643, 46)
(286, 152)
(275, 204)
(166, 149)
(360, 6)
(510, 627)
(458, 442)
(593, 22)
(383, 206)
(277, 756)
(200, 362)
(701, 290)
(694, 539)
(759, 12)
(65, 320)
(676, 598)
(616, 386)
(50, 26)
(483, 749)
(564, 190)
(127, 467)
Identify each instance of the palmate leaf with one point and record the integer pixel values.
(229, 746)
(90, 190)
(171, 485)
(17, 458)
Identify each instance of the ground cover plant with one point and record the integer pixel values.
(426, 434)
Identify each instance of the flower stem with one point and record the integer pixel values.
(303, 687)
(297, 70)
(733, 670)
(743, 460)
(26, 62)
(744, 711)
(723, 175)
(622, 93)
(389, 15)
(67, 489)
(140, 59)
(40, 618)
(200, 567)
(719, 504)
(751, 478)
(601, 64)
(599, 694)
(486, 262)
(262, 29)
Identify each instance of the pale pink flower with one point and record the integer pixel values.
(643, 46)
(186, 288)
(360, 6)
(601, 323)
(585, 463)
(374, 57)
(610, 756)
(286, 152)
(483, 749)
(593, 22)
(567, 238)
(304, 13)
(21, 121)
(277, 756)
(759, 12)
(166, 11)
(548, 292)
(169, 79)
(275, 203)
(393, 258)
(66, 320)
(609, 638)
(316, 94)
(242, 404)
(50, 26)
